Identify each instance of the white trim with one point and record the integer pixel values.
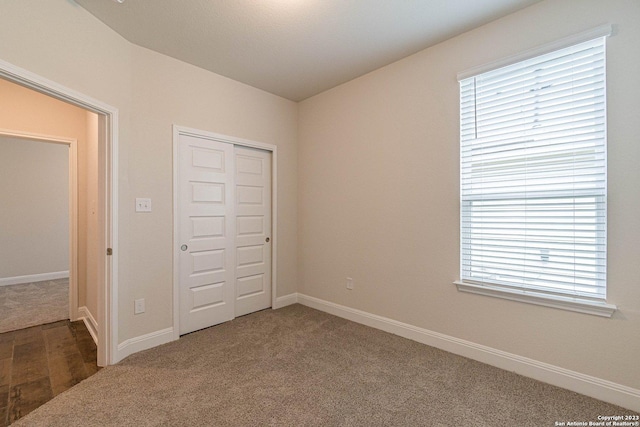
(90, 322)
(598, 388)
(547, 300)
(594, 33)
(144, 342)
(285, 300)
(30, 278)
(108, 282)
(108, 303)
(181, 130)
(274, 224)
(176, 225)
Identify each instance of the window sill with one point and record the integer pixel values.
(566, 303)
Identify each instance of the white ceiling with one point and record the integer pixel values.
(294, 48)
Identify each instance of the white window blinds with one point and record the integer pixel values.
(533, 174)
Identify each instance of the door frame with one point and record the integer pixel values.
(72, 143)
(182, 130)
(107, 316)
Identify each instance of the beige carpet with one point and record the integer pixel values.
(31, 304)
(300, 367)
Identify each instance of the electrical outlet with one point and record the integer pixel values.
(138, 306)
(349, 283)
(143, 205)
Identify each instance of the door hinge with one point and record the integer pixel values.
(109, 251)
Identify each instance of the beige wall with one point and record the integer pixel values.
(62, 42)
(34, 218)
(171, 92)
(379, 195)
(90, 233)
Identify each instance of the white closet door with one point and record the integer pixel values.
(253, 230)
(206, 232)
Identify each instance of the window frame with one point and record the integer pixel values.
(595, 306)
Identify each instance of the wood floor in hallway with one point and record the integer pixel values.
(41, 362)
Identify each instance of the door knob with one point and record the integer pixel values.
(184, 247)
(267, 240)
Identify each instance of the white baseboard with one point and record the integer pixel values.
(30, 278)
(598, 388)
(285, 300)
(143, 342)
(90, 322)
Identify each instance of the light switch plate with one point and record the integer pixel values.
(143, 205)
(138, 306)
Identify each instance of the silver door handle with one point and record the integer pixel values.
(184, 247)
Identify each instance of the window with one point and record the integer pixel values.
(533, 180)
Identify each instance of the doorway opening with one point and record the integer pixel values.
(100, 318)
(39, 250)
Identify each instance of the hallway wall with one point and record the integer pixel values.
(34, 218)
